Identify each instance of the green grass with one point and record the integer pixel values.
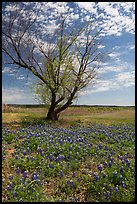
(71, 116)
(109, 126)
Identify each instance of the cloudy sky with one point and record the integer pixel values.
(115, 83)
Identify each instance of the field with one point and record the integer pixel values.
(86, 156)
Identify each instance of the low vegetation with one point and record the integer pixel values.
(91, 158)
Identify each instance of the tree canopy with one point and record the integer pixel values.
(63, 54)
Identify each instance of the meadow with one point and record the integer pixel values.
(86, 156)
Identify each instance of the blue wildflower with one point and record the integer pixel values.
(9, 188)
(115, 174)
(73, 175)
(105, 164)
(106, 148)
(15, 194)
(78, 179)
(71, 184)
(116, 188)
(35, 177)
(25, 174)
(18, 170)
(122, 170)
(123, 162)
(123, 184)
(61, 173)
(24, 153)
(104, 175)
(110, 164)
(21, 200)
(96, 177)
(128, 163)
(10, 177)
(100, 167)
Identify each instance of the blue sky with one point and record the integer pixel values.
(115, 83)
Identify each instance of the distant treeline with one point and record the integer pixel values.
(42, 106)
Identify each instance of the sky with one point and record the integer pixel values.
(115, 83)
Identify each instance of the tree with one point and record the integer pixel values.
(64, 61)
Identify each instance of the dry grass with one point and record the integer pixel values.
(71, 116)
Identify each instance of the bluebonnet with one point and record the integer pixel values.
(15, 194)
(122, 170)
(34, 177)
(115, 173)
(73, 175)
(128, 163)
(104, 175)
(61, 173)
(25, 174)
(78, 179)
(24, 153)
(10, 177)
(21, 200)
(96, 177)
(116, 189)
(9, 188)
(110, 163)
(105, 164)
(100, 167)
(123, 184)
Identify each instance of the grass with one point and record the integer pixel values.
(71, 116)
(86, 156)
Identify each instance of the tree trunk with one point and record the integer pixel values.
(52, 115)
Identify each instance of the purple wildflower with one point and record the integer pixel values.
(35, 176)
(100, 167)
(15, 194)
(73, 175)
(18, 170)
(110, 164)
(25, 174)
(24, 153)
(105, 164)
(78, 179)
(104, 175)
(9, 188)
(116, 188)
(115, 174)
(123, 184)
(10, 177)
(122, 170)
(21, 200)
(61, 173)
(128, 163)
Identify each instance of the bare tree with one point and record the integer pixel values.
(64, 62)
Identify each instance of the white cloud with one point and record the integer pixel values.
(101, 46)
(126, 78)
(114, 17)
(131, 47)
(117, 16)
(114, 54)
(88, 6)
(121, 80)
(6, 70)
(116, 47)
(21, 77)
(15, 95)
(108, 69)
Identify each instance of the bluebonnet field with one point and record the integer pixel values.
(45, 163)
